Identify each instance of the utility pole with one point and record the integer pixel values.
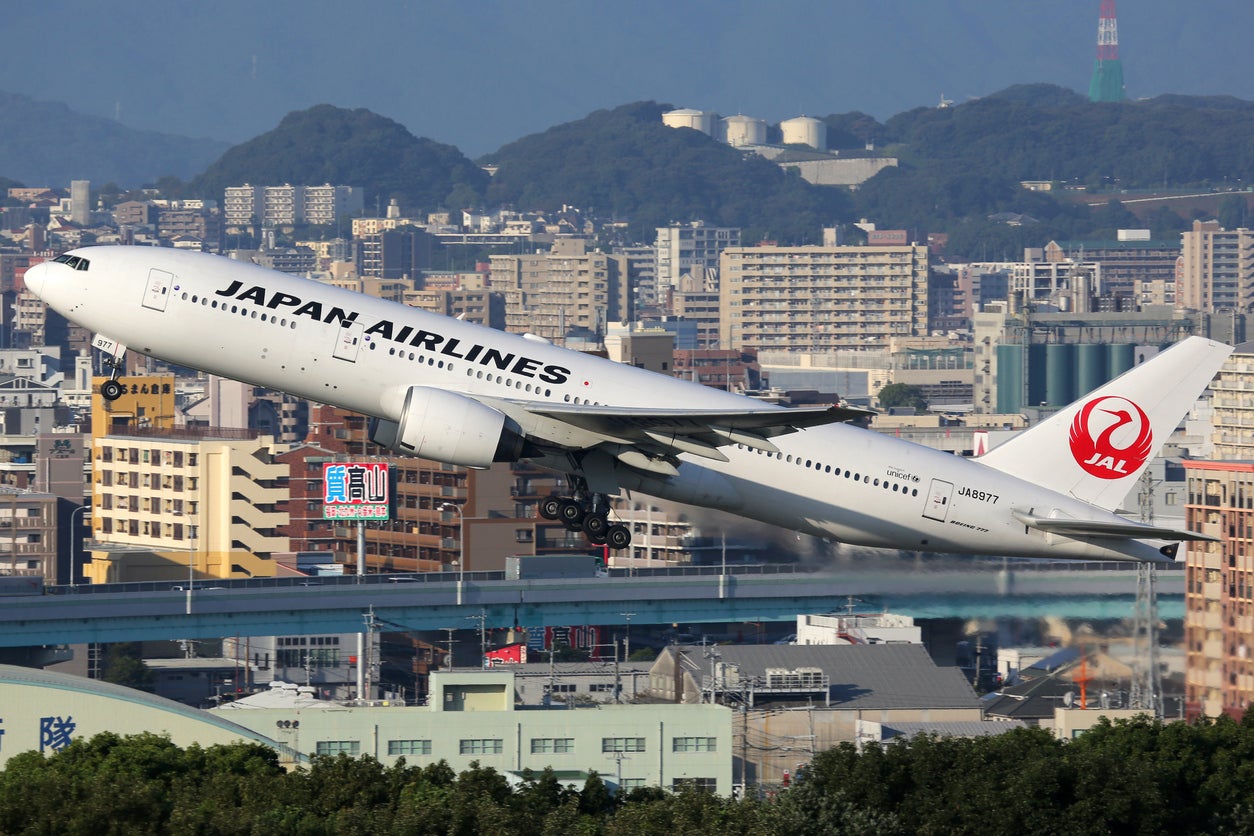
(1146, 690)
(627, 641)
(482, 618)
(363, 660)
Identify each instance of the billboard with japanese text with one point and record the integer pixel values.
(356, 491)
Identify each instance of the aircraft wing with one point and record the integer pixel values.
(700, 432)
(1103, 528)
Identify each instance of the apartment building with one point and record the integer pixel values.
(1219, 589)
(162, 500)
(1133, 267)
(28, 534)
(326, 204)
(689, 248)
(1232, 405)
(394, 254)
(818, 299)
(286, 205)
(1216, 268)
(566, 289)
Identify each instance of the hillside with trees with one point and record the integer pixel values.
(959, 165)
(326, 144)
(47, 144)
(1139, 776)
(624, 164)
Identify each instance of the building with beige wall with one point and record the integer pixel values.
(162, 500)
(563, 290)
(1216, 268)
(1232, 407)
(818, 299)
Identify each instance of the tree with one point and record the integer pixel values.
(123, 666)
(896, 395)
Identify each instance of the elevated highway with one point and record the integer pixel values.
(691, 595)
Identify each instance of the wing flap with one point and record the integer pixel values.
(620, 422)
(1105, 528)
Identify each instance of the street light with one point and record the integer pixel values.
(461, 563)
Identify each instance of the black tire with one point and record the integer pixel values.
(550, 506)
(618, 537)
(571, 513)
(595, 539)
(111, 390)
(595, 525)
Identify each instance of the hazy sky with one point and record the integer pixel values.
(482, 73)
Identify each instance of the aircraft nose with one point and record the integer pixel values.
(36, 277)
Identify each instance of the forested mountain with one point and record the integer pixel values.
(626, 165)
(958, 166)
(961, 164)
(47, 144)
(326, 144)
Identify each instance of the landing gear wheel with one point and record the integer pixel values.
(571, 512)
(111, 390)
(595, 525)
(550, 506)
(618, 537)
(596, 539)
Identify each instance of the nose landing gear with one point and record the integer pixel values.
(112, 389)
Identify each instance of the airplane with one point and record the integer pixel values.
(464, 394)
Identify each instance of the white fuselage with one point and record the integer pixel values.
(271, 329)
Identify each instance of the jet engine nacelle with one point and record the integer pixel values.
(448, 427)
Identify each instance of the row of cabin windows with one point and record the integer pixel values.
(410, 355)
(895, 487)
(282, 322)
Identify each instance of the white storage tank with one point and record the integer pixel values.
(805, 130)
(744, 130)
(687, 117)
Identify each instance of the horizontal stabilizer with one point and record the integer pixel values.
(1105, 528)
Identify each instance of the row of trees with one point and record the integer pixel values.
(1129, 777)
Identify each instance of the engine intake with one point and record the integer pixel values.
(451, 428)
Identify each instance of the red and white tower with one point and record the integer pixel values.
(1106, 84)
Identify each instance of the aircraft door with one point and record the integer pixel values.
(157, 293)
(348, 341)
(938, 496)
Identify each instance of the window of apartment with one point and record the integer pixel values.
(702, 784)
(693, 744)
(409, 747)
(559, 688)
(490, 746)
(331, 748)
(622, 744)
(555, 745)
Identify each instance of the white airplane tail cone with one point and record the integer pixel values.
(1096, 448)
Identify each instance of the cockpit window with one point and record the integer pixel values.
(74, 262)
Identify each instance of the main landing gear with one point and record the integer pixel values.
(587, 513)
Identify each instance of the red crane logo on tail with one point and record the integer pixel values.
(1111, 437)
